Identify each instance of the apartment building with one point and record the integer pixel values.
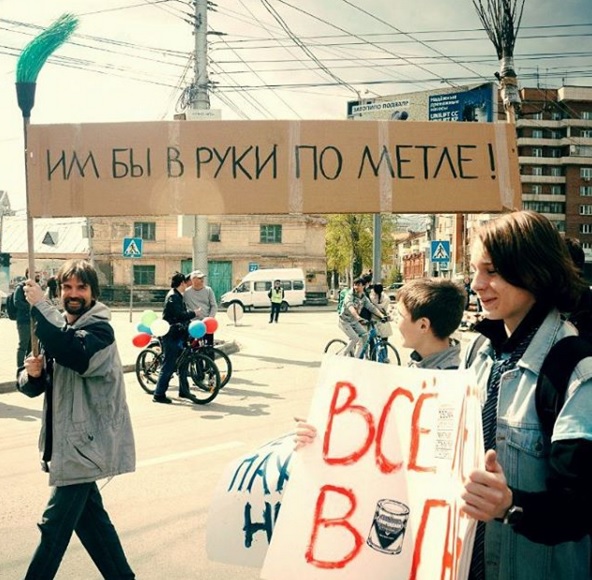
(554, 133)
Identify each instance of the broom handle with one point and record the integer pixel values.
(30, 236)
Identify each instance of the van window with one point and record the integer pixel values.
(262, 286)
(298, 285)
(286, 285)
(244, 287)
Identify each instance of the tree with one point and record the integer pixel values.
(349, 242)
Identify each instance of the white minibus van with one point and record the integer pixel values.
(254, 287)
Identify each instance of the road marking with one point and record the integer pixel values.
(186, 454)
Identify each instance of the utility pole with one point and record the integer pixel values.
(199, 99)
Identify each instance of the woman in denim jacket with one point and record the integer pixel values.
(534, 496)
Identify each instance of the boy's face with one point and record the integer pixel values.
(413, 332)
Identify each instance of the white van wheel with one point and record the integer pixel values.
(284, 306)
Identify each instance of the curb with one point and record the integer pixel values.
(229, 347)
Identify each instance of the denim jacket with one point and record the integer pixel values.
(523, 452)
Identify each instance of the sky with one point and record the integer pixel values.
(130, 60)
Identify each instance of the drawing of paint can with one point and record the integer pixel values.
(388, 526)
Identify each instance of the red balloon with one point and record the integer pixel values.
(211, 324)
(141, 340)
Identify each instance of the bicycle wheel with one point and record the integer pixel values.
(384, 352)
(392, 354)
(222, 361)
(203, 377)
(335, 346)
(147, 368)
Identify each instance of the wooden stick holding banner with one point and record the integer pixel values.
(32, 59)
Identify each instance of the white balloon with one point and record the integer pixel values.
(159, 327)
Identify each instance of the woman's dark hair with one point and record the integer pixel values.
(177, 279)
(84, 271)
(378, 288)
(528, 252)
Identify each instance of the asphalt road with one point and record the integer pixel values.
(160, 510)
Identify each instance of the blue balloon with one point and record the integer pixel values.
(143, 328)
(197, 329)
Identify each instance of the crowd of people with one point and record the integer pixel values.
(532, 498)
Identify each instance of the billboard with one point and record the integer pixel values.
(474, 103)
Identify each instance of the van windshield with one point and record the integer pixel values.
(244, 287)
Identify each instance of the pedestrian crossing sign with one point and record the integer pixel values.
(440, 251)
(132, 247)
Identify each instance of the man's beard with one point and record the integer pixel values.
(76, 306)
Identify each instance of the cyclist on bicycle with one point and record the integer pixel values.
(350, 320)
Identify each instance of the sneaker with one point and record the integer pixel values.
(161, 399)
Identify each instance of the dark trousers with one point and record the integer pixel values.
(275, 311)
(171, 349)
(24, 341)
(78, 508)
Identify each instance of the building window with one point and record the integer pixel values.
(586, 173)
(145, 230)
(556, 116)
(586, 190)
(585, 228)
(538, 116)
(270, 234)
(555, 134)
(556, 171)
(587, 115)
(537, 151)
(214, 231)
(555, 153)
(536, 189)
(551, 207)
(536, 170)
(586, 210)
(556, 190)
(144, 275)
(587, 133)
(537, 134)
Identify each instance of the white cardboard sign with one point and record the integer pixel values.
(376, 495)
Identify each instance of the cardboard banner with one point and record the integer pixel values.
(271, 167)
(376, 495)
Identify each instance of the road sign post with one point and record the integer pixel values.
(132, 248)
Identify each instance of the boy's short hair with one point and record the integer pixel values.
(359, 281)
(440, 300)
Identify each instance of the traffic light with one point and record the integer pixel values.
(4, 260)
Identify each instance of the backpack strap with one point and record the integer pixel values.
(554, 376)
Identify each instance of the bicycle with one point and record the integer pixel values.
(221, 359)
(203, 376)
(375, 348)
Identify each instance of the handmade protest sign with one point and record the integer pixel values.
(376, 494)
(271, 167)
(246, 504)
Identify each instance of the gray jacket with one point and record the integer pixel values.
(91, 436)
(446, 359)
